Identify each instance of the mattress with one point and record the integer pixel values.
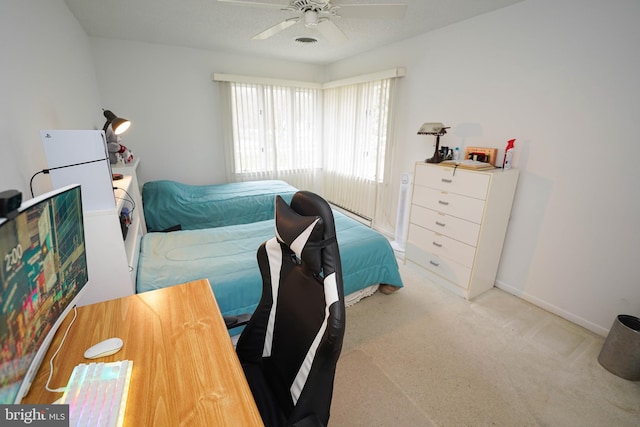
(227, 257)
(169, 204)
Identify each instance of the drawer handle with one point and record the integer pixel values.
(438, 245)
(442, 202)
(448, 181)
(441, 224)
(435, 264)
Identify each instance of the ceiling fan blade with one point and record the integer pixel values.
(372, 11)
(271, 31)
(273, 5)
(331, 31)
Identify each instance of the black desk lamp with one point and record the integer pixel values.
(118, 125)
(113, 127)
(436, 129)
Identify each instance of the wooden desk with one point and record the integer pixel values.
(185, 369)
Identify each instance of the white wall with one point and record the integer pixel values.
(168, 94)
(561, 78)
(47, 80)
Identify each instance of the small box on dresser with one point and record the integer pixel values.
(458, 224)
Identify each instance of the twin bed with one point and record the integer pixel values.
(219, 229)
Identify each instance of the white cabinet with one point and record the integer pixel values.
(80, 157)
(458, 223)
(113, 259)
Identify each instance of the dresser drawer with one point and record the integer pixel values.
(449, 203)
(457, 274)
(456, 228)
(459, 181)
(442, 245)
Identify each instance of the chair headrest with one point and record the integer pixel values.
(299, 233)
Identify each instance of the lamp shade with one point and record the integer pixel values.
(119, 125)
(432, 129)
(437, 129)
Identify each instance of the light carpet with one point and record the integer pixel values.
(426, 357)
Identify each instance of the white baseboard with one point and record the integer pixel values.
(598, 329)
(351, 215)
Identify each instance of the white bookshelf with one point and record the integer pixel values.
(112, 260)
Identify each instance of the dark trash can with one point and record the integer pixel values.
(620, 352)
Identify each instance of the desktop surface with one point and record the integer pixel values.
(185, 369)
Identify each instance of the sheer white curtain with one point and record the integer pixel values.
(334, 139)
(357, 138)
(274, 133)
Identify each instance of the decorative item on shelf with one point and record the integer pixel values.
(481, 154)
(113, 128)
(437, 129)
(125, 221)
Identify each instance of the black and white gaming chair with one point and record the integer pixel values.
(290, 347)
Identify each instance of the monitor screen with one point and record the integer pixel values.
(44, 268)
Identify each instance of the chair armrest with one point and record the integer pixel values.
(235, 321)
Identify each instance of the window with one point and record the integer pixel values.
(356, 133)
(280, 130)
(276, 132)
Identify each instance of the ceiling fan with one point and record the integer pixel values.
(319, 14)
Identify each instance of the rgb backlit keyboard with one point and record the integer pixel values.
(97, 393)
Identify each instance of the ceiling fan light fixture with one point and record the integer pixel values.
(318, 15)
(310, 18)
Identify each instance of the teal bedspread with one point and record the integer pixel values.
(227, 257)
(170, 203)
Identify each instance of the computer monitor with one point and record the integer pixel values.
(44, 269)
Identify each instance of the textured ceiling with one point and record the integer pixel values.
(217, 25)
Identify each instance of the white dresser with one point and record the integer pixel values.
(458, 223)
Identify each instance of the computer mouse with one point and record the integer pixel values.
(104, 348)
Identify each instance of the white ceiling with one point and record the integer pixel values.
(214, 25)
